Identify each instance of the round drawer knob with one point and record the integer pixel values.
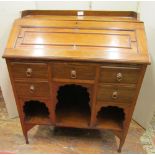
(114, 95)
(32, 88)
(73, 74)
(119, 77)
(29, 72)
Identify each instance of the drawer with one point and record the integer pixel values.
(29, 70)
(32, 89)
(74, 71)
(112, 93)
(119, 74)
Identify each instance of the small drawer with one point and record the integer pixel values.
(32, 89)
(74, 71)
(119, 74)
(29, 70)
(112, 93)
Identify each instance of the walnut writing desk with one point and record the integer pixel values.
(77, 69)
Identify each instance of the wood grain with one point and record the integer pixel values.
(103, 53)
(38, 70)
(64, 70)
(124, 93)
(31, 89)
(106, 40)
(110, 74)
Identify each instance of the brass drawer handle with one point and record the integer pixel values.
(29, 72)
(114, 95)
(73, 74)
(119, 77)
(32, 88)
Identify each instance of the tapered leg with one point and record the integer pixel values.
(26, 128)
(122, 140)
(26, 137)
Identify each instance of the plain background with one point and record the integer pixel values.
(11, 10)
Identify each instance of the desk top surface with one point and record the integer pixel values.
(97, 36)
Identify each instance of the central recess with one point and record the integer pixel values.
(73, 107)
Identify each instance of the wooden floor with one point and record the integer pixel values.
(46, 139)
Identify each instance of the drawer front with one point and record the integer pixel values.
(111, 93)
(32, 89)
(119, 74)
(74, 71)
(29, 70)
